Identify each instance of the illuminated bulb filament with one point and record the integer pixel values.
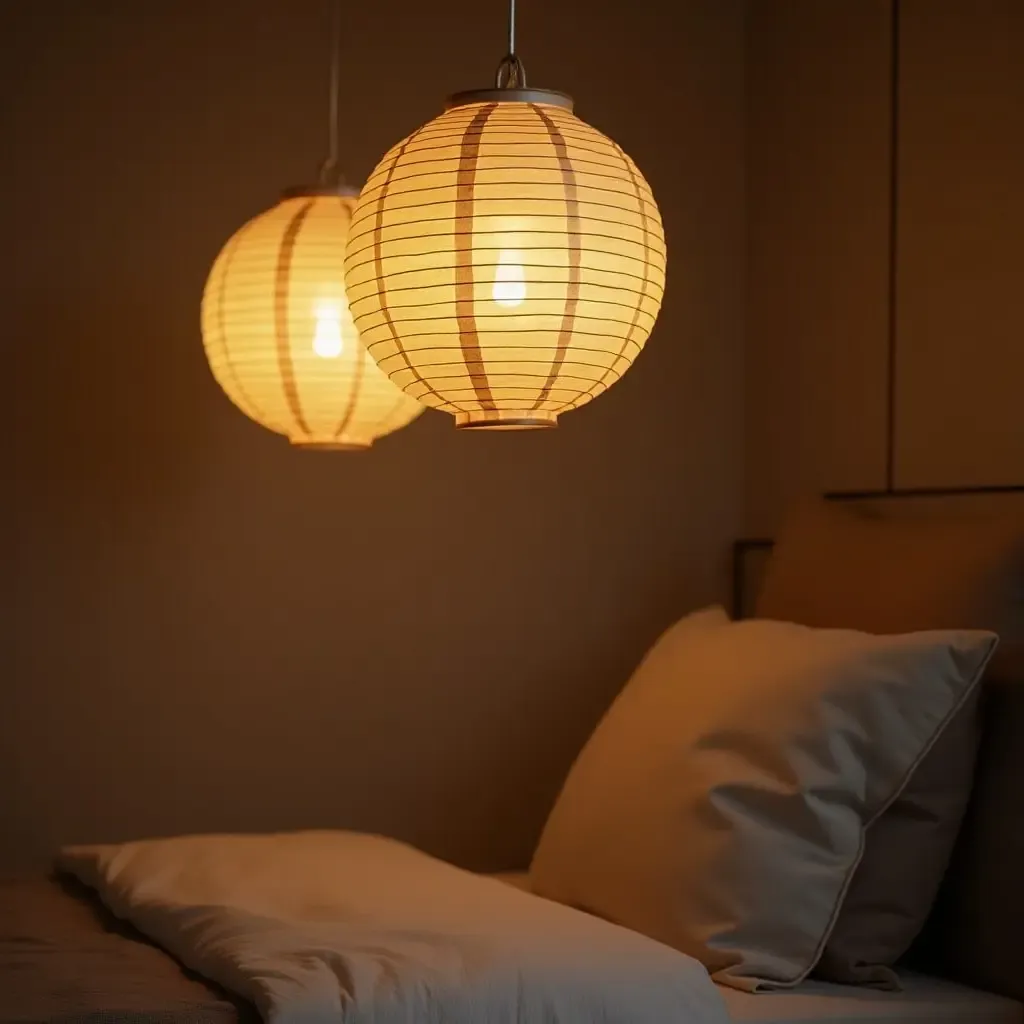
(327, 341)
(509, 280)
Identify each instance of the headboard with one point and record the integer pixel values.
(750, 554)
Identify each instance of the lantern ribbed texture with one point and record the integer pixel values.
(279, 335)
(506, 263)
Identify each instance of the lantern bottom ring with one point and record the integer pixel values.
(509, 423)
(330, 446)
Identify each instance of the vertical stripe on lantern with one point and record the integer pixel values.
(353, 393)
(465, 297)
(572, 241)
(356, 383)
(282, 278)
(249, 406)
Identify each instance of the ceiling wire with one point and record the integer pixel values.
(330, 173)
(511, 74)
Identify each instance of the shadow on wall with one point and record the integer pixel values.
(212, 631)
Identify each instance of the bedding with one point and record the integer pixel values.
(849, 566)
(335, 926)
(923, 1000)
(721, 804)
(64, 960)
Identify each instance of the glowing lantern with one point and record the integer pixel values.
(279, 335)
(506, 262)
(277, 328)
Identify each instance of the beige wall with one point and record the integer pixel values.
(819, 301)
(210, 631)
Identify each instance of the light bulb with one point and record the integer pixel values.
(509, 279)
(327, 341)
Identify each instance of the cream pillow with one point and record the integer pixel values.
(721, 804)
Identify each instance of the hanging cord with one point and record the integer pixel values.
(330, 172)
(511, 74)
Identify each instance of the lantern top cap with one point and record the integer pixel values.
(503, 94)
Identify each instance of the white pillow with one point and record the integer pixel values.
(720, 806)
(317, 927)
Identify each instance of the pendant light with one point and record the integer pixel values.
(276, 324)
(506, 261)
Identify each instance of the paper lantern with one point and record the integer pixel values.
(506, 262)
(279, 335)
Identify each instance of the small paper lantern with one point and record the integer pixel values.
(279, 335)
(506, 262)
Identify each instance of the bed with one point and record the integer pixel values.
(924, 999)
(64, 959)
(815, 1002)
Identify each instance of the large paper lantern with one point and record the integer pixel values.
(279, 335)
(506, 262)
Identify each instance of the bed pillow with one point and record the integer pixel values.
(840, 566)
(335, 927)
(720, 805)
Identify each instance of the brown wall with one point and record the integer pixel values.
(210, 631)
(820, 202)
(960, 285)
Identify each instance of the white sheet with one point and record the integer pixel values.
(923, 1001)
(319, 927)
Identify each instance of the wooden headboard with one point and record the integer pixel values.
(750, 554)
